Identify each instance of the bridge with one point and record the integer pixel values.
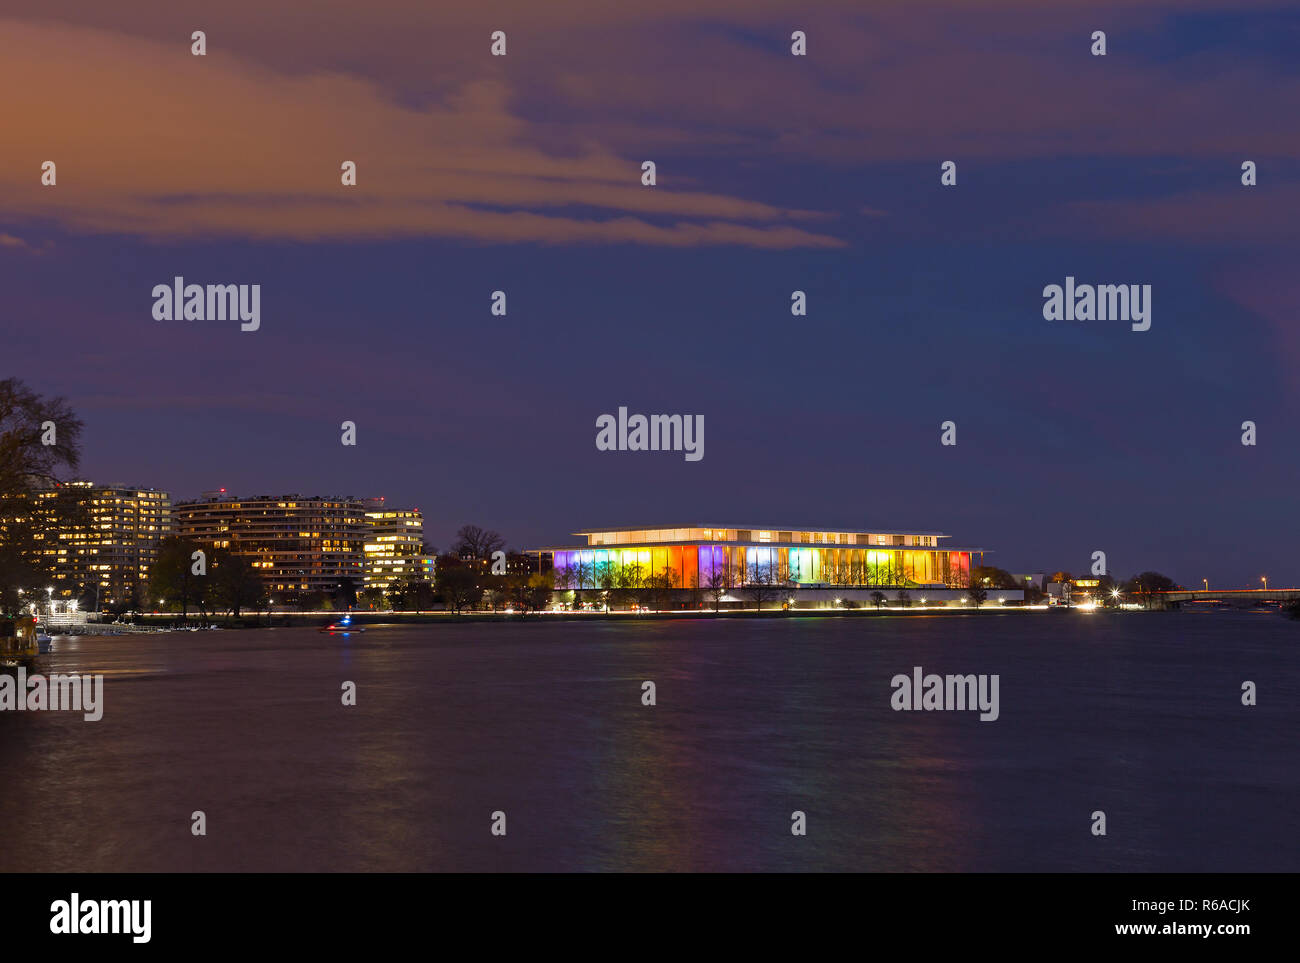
(1248, 596)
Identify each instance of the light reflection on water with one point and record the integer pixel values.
(1137, 715)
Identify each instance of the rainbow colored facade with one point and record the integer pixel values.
(695, 556)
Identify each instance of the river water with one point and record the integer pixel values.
(1135, 715)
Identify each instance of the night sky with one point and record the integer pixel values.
(775, 173)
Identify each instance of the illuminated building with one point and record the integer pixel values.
(694, 556)
(394, 546)
(94, 540)
(297, 545)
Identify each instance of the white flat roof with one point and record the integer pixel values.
(848, 530)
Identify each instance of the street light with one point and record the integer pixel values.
(1264, 579)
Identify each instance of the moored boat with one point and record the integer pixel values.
(18, 642)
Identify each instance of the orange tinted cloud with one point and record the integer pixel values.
(151, 140)
(545, 144)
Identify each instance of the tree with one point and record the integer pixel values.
(526, 593)
(315, 601)
(631, 588)
(345, 596)
(693, 589)
(419, 594)
(457, 586)
(878, 597)
(660, 588)
(892, 573)
(411, 594)
(371, 598)
(841, 572)
(607, 578)
(760, 585)
(986, 576)
(234, 584)
(1148, 585)
(85, 596)
(582, 575)
(565, 577)
(172, 578)
(905, 599)
(537, 591)
(29, 465)
(956, 576)
(716, 587)
(977, 593)
(25, 425)
(857, 569)
(129, 601)
(474, 542)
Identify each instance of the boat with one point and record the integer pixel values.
(18, 642)
(343, 626)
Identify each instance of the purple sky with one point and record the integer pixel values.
(775, 173)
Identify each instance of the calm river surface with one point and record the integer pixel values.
(1137, 715)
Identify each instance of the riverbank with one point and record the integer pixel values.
(320, 619)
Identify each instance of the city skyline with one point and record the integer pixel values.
(367, 503)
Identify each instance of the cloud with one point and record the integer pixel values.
(152, 141)
(15, 243)
(545, 145)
